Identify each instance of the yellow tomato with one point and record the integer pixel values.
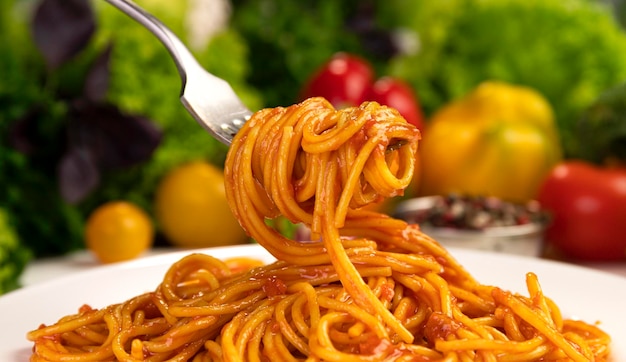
(117, 231)
(192, 210)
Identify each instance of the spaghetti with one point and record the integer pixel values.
(366, 288)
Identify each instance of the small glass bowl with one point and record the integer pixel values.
(525, 239)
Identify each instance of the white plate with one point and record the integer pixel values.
(581, 293)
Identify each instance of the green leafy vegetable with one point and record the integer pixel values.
(43, 221)
(602, 128)
(57, 150)
(13, 255)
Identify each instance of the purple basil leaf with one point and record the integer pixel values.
(97, 80)
(78, 175)
(62, 28)
(118, 140)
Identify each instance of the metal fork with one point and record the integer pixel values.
(209, 99)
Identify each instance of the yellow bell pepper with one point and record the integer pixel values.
(499, 140)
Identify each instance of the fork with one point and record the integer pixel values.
(210, 100)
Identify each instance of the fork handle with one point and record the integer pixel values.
(181, 55)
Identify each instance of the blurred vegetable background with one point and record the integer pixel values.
(89, 109)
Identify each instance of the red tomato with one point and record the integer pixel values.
(588, 206)
(397, 94)
(347, 80)
(343, 81)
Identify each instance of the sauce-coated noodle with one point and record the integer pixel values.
(369, 288)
